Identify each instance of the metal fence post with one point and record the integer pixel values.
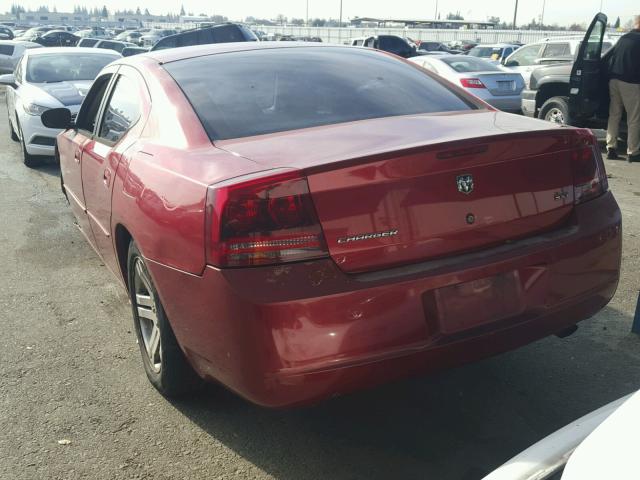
(635, 326)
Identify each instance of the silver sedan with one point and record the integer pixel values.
(479, 77)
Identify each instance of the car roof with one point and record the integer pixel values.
(50, 50)
(183, 53)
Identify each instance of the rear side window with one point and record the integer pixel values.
(6, 50)
(117, 46)
(557, 50)
(241, 94)
(227, 34)
(87, 42)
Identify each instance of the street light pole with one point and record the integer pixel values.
(340, 25)
(436, 15)
(544, 2)
(307, 24)
(515, 15)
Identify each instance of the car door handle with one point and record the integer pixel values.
(106, 177)
(77, 155)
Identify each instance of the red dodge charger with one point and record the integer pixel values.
(300, 221)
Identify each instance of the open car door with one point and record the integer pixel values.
(587, 75)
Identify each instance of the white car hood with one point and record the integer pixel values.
(611, 451)
(68, 92)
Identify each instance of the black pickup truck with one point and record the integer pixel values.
(573, 93)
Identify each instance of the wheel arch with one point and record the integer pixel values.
(550, 89)
(122, 238)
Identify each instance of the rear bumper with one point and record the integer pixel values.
(506, 103)
(528, 103)
(299, 333)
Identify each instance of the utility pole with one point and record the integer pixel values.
(435, 17)
(515, 15)
(542, 16)
(340, 13)
(307, 24)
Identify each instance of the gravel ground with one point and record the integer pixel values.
(75, 403)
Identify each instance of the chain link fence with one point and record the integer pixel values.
(344, 35)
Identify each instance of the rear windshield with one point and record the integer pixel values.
(6, 50)
(241, 94)
(464, 64)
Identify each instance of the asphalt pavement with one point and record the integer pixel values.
(75, 403)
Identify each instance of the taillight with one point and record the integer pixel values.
(589, 175)
(262, 221)
(472, 83)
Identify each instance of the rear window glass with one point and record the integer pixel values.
(6, 49)
(464, 64)
(241, 94)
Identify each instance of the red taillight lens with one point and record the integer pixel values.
(471, 83)
(589, 175)
(263, 221)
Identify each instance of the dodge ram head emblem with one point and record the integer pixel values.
(465, 183)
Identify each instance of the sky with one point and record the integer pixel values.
(556, 11)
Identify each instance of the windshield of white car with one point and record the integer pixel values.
(465, 64)
(57, 67)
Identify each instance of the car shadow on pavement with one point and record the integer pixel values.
(459, 424)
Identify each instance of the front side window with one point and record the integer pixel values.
(88, 114)
(241, 94)
(50, 68)
(122, 111)
(594, 42)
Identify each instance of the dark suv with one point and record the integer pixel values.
(573, 93)
(224, 33)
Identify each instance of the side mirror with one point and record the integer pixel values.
(59, 118)
(8, 80)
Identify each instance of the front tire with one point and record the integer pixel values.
(14, 135)
(29, 160)
(164, 362)
(556, 110)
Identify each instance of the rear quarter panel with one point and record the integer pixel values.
(159, 195)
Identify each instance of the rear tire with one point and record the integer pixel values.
(164, 362)
(556, 110)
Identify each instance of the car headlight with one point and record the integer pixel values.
(35, 109)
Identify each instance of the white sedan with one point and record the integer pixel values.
(601, 445)
(48, 78)
(479, 77)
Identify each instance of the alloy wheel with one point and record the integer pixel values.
(555, 115)
(145, 305)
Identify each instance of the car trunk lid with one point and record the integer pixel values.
(501, 83)
(416, 193)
